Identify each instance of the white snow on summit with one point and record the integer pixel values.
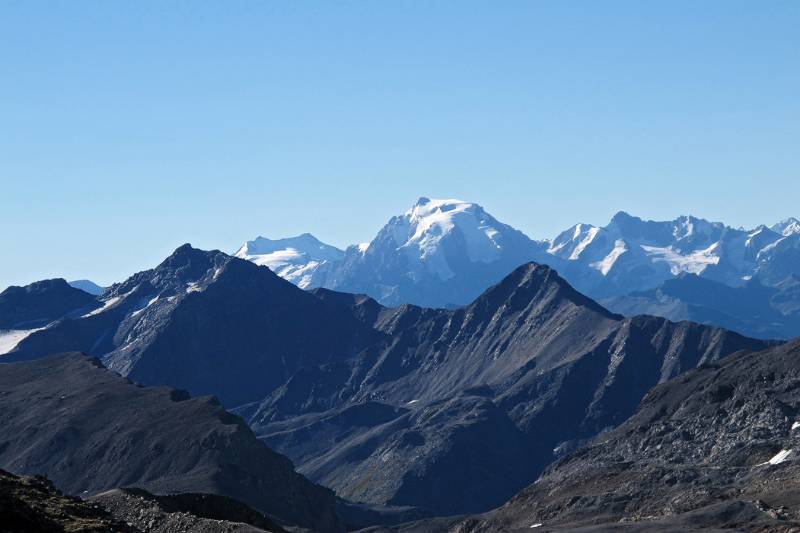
(295, 259)
(787, 227)
(571, 243)
(443, 239)
(421, 231)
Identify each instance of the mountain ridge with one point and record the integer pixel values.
(384, 405)
(425, 255)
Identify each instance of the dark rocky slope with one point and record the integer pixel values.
(208, 323)
(90, 430)
(475, 400)
(716, 447)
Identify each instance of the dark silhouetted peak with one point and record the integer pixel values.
(423, 200)
(533, 282)
(186, 265)
(622, 217)
(39, 303)
(192, 260)
(38, 287)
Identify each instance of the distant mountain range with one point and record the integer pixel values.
(444, 253)
(439, 253)
(384, 405)
(753, 309)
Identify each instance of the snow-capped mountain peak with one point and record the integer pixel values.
(423, 227)
(571, 243)
(787, 227)
(296, 259)
(444, 252)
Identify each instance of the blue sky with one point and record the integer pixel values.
(129, 128)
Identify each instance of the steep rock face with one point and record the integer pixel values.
(90, 430)
(531, 351)
(208, 323)
(723, 436)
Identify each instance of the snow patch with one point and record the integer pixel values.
(787, 227)
(779, 457)
(795, 425)
(586, 241)
(538, 524)
(192, 287)
(693, 263)
(10, 338)
(605, 265)
(148, 304)
(106, 305)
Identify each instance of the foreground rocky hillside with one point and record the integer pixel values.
(716, 447)
(34, 505)
(90, 431)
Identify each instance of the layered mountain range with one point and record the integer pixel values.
(451, 411)
(450, 366)
(444, 253)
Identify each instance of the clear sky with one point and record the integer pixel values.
(129, 128)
